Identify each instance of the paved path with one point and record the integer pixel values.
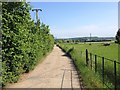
(56, 71)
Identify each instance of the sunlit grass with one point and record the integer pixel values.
(110, 52)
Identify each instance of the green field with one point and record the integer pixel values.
(78, 55)
(110, 52)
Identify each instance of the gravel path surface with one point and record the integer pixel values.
(56, 71)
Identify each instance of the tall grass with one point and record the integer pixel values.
(90, 78)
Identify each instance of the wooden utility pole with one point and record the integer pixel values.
(37, 12)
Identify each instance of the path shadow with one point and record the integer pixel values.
(72, 63)
(68, 52)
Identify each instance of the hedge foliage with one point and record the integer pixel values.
(24, 43)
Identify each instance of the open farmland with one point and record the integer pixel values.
(110, 54)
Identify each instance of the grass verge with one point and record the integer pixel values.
(90, 78)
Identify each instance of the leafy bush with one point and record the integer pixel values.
(24, 43)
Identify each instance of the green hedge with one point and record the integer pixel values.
(24, 43)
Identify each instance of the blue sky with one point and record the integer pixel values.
(79, 19)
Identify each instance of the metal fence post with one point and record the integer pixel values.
(103, 69)
(115, 73)
(87, 57)
(95, 63)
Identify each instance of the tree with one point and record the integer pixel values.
(118, 36)
(23, 42)
(15, 24)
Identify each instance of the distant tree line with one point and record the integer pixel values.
(85, 39)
